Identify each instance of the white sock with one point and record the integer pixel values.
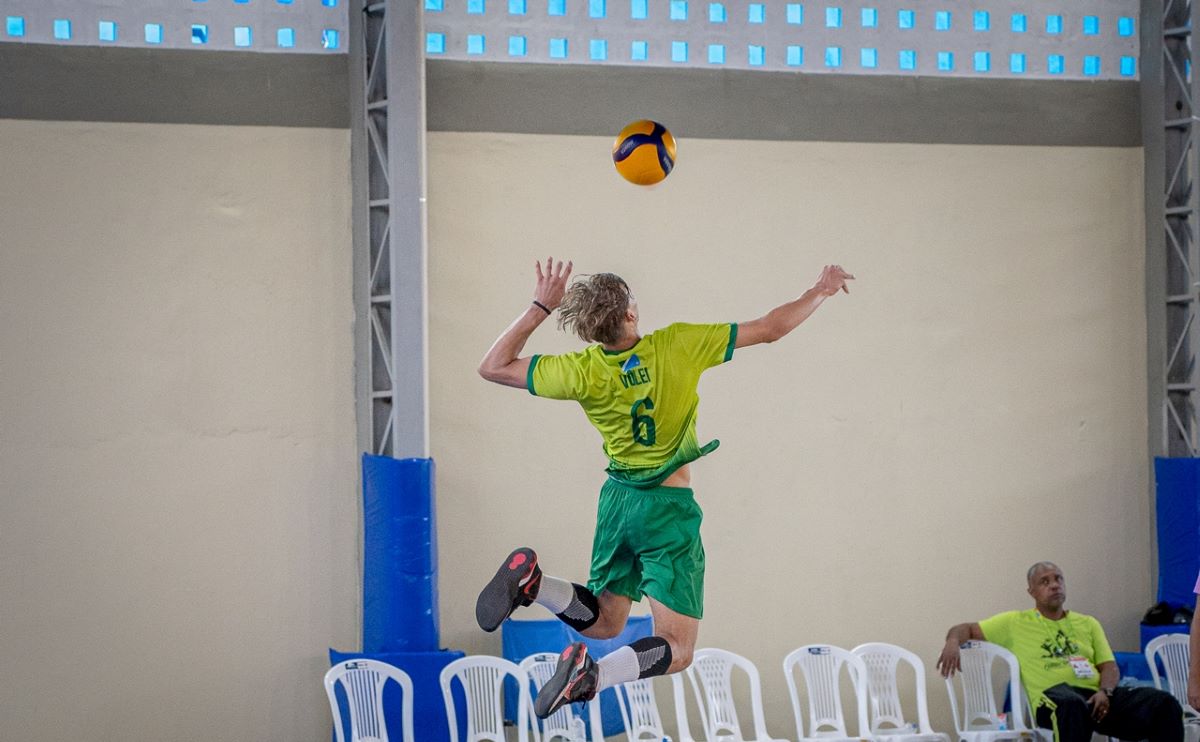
(555, 594)
(617, 667)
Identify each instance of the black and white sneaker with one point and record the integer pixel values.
(574, 680)
(516, 584)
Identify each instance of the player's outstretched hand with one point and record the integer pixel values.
(552, 282)
(833, 279)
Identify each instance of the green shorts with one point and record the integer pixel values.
(648, 543)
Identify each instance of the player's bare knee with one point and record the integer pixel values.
(681, 654)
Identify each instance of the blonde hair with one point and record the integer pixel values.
(594, 307)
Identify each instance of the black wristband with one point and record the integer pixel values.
(541, 306)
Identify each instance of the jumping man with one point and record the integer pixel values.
(640, 394)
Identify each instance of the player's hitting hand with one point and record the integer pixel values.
(552, 282)
(833, 279)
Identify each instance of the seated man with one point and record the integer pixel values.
(1068, 669)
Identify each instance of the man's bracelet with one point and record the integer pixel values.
(541, 306)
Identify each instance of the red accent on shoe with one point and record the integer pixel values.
(565, 652)
(517, 560)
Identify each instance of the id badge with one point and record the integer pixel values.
(1082, 668)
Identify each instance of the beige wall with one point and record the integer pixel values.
(178, 518)
(976, 403)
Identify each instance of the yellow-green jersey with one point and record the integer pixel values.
(642, 400)
(1051, 652)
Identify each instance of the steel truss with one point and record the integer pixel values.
(388, 145)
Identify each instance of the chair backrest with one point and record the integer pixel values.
(571, 722)
(363, 681)
(977, 709)
(639, 711)
(821, 665)
(1173, 653)
(711, 678)
(482, 681)
(885, 710)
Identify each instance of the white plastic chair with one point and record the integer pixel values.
(363, 681)
(482, 680)
(821, 665)
(1173, 653)
(885, 711)
(569, 722)
(711, 678)
(639, 711)
(976, 714)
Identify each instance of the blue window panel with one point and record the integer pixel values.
(242, 36)
(517, 46)
(1054, 24)
(945, 61)
(908, 59)
(15, 25)
(795, 14)
(833, 56)
(833, 18)
(598, 50)
(679, 51)
(795, 56)
(756, 55)
(1091, 66)
(983, 20)
(869, 58)
(244, 2)
(1125, 26)
(433, 6)
(153, 33)
(329, 3)
(556, 7)
(597, 9)
(435, 43)
(941, 20)
(638, 10)
(199, 33)
(476, 43)
(286, 38)
(757, 13)
(62, 29)
(639, 51)
(870, 18)
(199, 1)
(558, 48)
(983, 62)
(284, 2)
(716, 13)
(517, 7)
(1055, 64)
(679, 10)
(1091, 25)
(906, 19)
(1128, 66)
(108, 30)
(1016, 63)
(716, 54)
(1019, 23)
(476, 7)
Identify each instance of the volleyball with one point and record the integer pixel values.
(644, 152)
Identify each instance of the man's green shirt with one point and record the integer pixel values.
(1045, 648)
(642, 400)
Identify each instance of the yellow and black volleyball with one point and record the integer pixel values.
(644, 152)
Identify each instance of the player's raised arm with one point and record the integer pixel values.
(502, 363)
(786, 317)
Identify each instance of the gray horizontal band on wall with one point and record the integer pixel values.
(737, 104)
(172, 86)
(175, 86)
